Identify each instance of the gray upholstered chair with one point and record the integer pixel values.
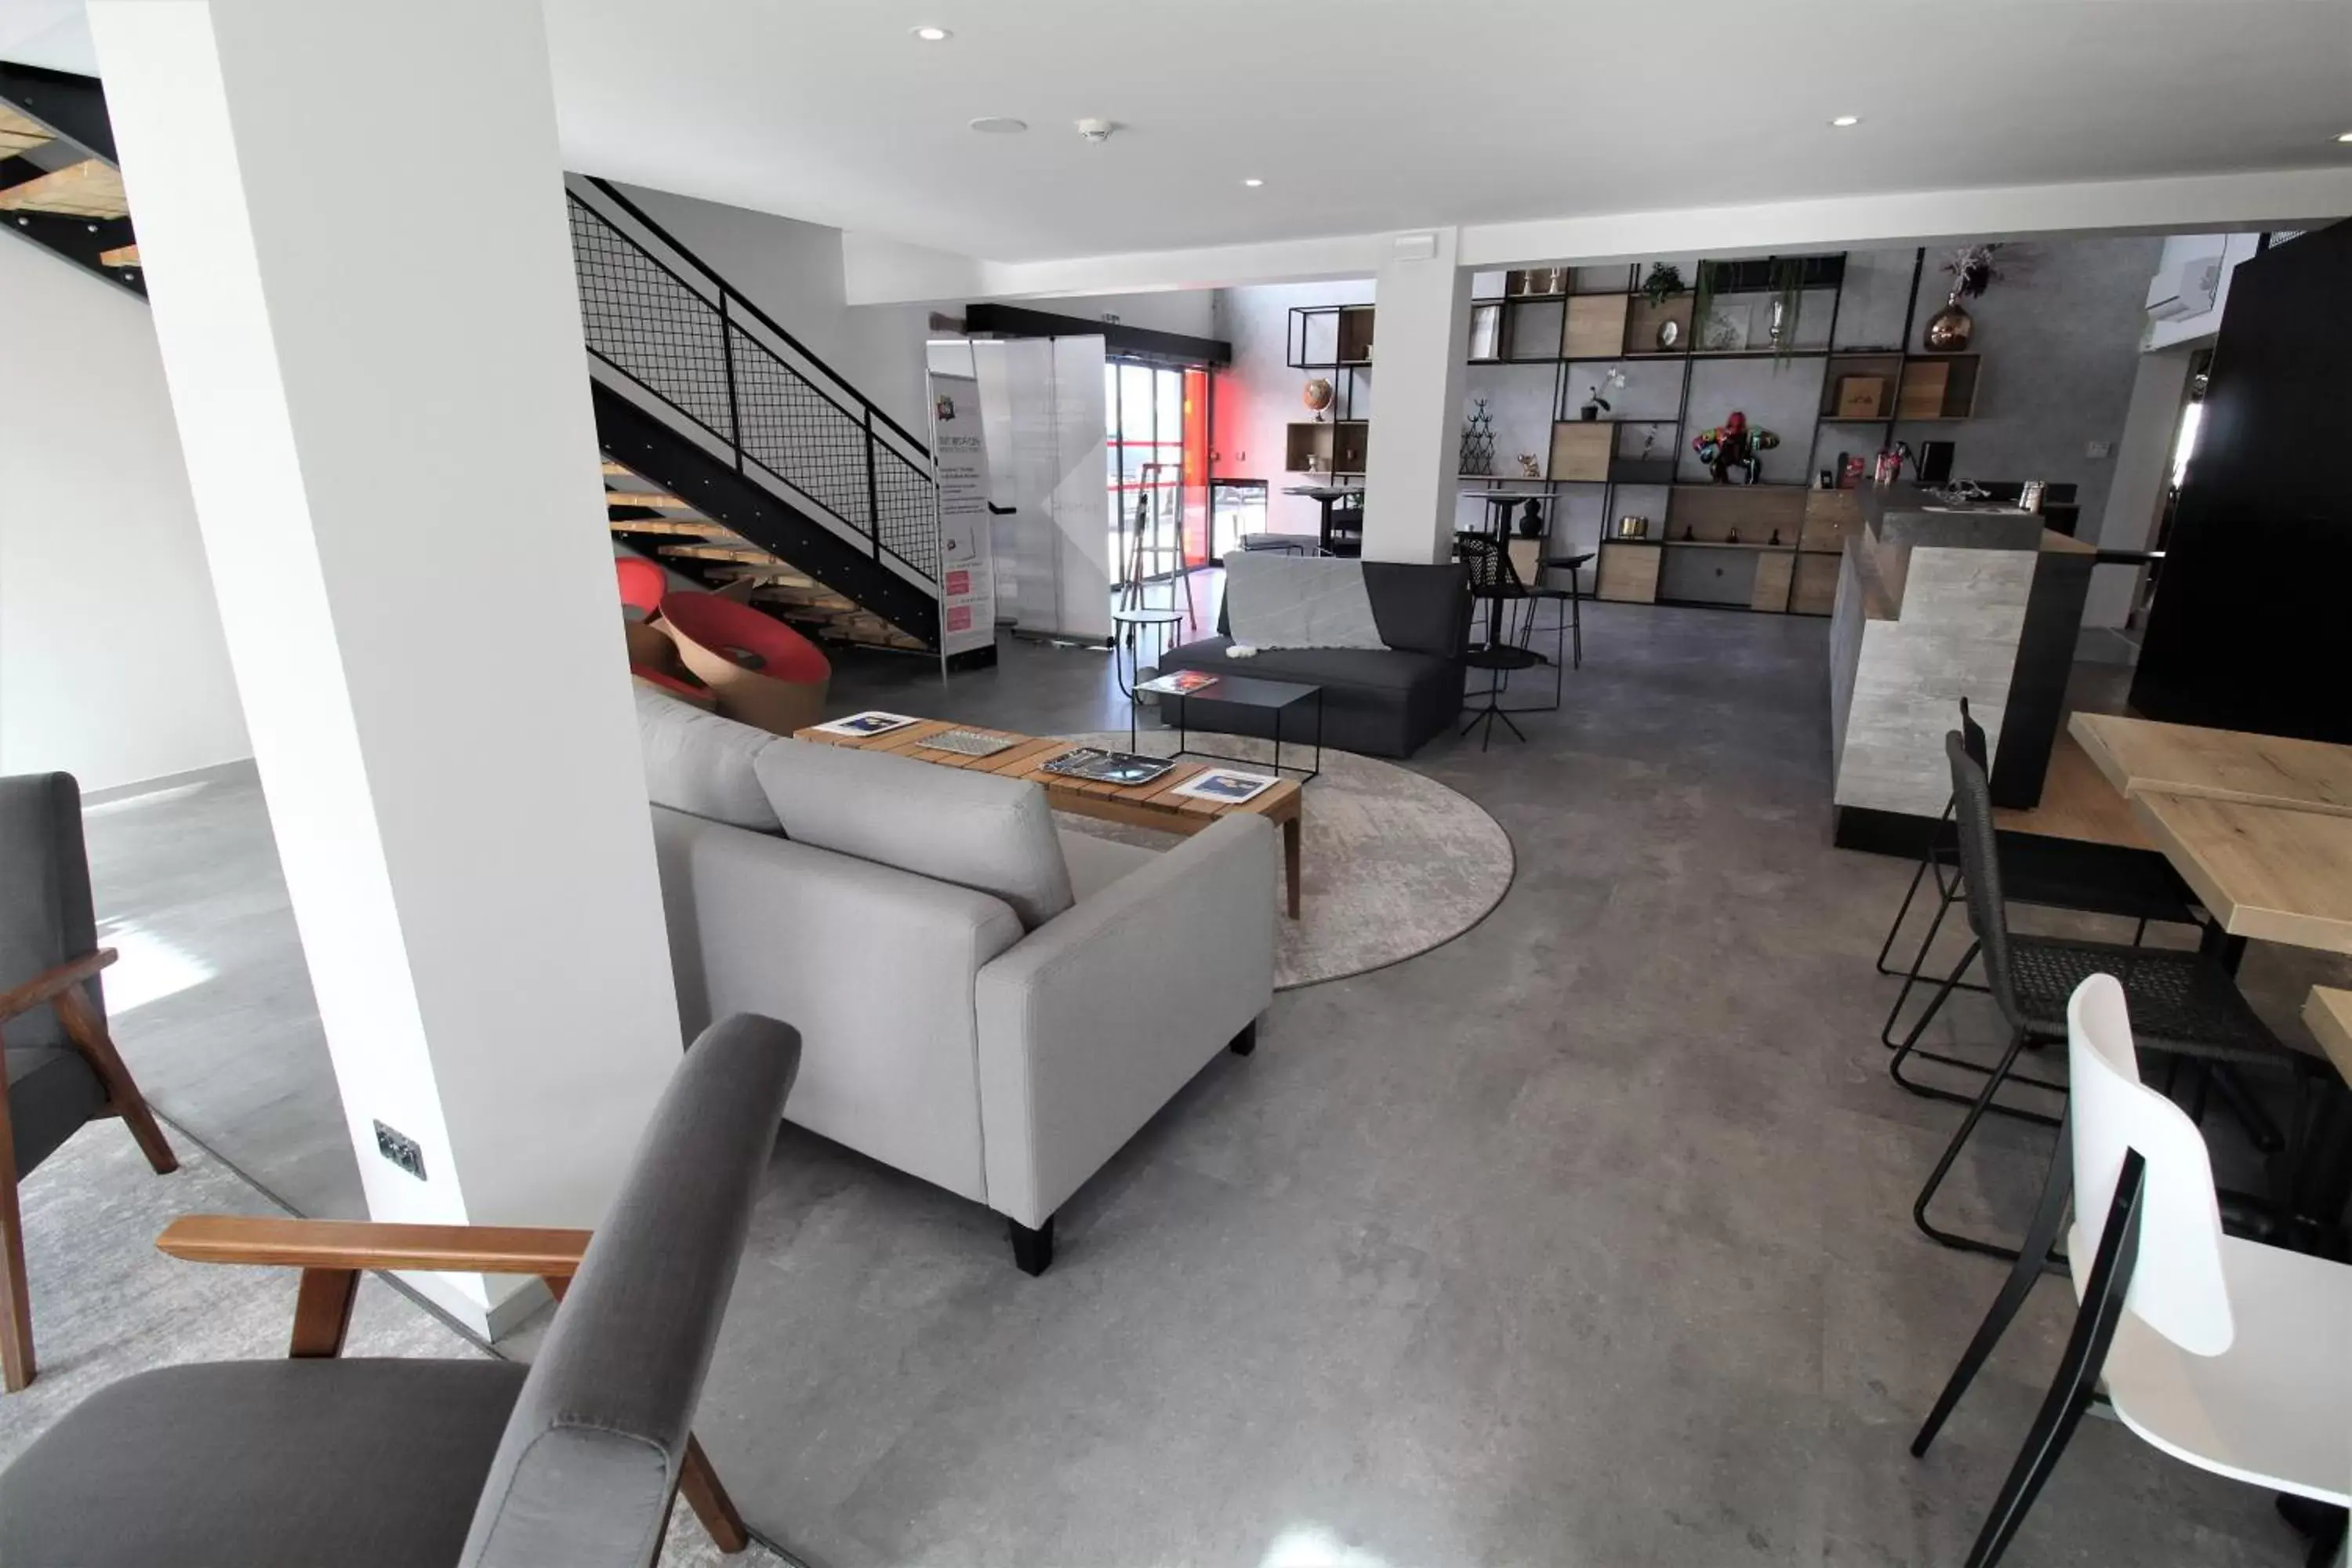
(63, 1069)
(575, 1459)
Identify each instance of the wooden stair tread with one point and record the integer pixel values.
(20, 132)
(91, 188)
(655, 498)
(690, 527)
(121, 256)
(613, 470)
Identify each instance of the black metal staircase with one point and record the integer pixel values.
(702, 392)
(771, 466)
(60, 185)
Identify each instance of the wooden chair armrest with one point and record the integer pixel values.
(44, 987)
(550, 1254)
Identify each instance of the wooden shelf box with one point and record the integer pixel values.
(1642, 320)
(1774, 571)
(1712, 513)
(1338, 443)
(1356, 335)
(1629, 573)
(1943, 387)
(1861, 387)
(1595, 326)
(1814, 589)
(1579, 449)
(1831, 516)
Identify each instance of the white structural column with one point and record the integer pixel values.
(353, 227)
(1420, 334)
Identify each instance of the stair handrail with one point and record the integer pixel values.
(736, 298)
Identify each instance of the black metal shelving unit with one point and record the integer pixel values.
(1716, 280)
(1352, 327)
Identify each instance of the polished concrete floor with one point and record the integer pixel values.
(1583, 1239)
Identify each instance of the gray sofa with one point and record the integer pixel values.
(984, 1002)
(1384, 702)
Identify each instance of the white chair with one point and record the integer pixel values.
(2231, 1354)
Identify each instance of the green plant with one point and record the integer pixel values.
(1664, 281)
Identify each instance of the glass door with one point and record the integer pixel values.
(1156, 432)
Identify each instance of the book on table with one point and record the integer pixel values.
(1180, 683)
(873, 722)
(1099, 766)
(1226, 784)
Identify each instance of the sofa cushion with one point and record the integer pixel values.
(265, 1464)
(1095, 863)
(1424, 609)
(701, 763)
(993, 836)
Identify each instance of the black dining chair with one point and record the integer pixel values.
(1496, 592)
(63, 1071)
(2186, 1004)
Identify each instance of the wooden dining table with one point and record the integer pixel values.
(2259, 826)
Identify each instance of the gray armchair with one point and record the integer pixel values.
(575, 1459)
(62, 1066)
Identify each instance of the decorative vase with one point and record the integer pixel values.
(1948, 329)
(1531, 521)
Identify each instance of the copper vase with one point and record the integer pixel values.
(1948, 329)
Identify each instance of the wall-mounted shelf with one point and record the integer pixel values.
(1338, 447)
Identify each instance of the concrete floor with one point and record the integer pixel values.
(1583, 1239)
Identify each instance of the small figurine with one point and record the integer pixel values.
(1530, 466)
(1732, 445)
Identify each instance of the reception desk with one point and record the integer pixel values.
(1937, 601)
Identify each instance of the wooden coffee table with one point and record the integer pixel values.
(1151, 806)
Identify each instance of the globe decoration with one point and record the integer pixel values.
(1317, 396)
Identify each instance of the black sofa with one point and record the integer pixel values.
(1384, 702)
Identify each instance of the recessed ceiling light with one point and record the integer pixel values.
(1842, 121)
(931, 34)
(1253, 184)
(999, 125)
(2346, 137)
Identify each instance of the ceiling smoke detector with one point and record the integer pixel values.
(1096, 130)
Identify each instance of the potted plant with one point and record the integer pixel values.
(1664, 281)
(1596, 401)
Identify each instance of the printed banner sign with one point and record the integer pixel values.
(967, 579)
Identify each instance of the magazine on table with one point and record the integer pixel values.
(1226, 784)
(1180, 683)
(1099, 766)
(873, 722)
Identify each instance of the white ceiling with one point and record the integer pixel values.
(1370, 115)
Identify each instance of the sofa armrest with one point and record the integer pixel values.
(875, 966)
(1093, 1021)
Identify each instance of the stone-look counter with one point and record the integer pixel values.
(1937, 601)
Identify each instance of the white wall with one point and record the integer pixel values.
(2143, 474)
(111, 662)
(1258, 397)
(2180, 249)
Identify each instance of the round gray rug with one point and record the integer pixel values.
(1392, 863)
